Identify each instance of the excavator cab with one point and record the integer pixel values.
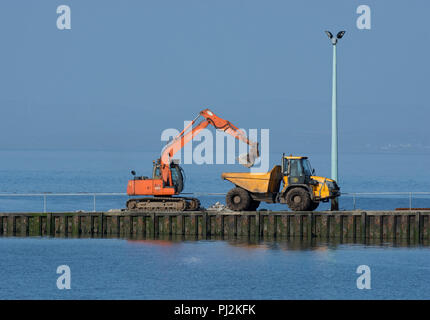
(177, 175)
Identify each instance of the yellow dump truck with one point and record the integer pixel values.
(301, 191)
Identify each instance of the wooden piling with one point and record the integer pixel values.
(345, 225)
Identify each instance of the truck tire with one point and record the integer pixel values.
(254, 205)
(313, 205)
(238, 199)
(298, 199)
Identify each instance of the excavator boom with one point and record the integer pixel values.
(188, 134)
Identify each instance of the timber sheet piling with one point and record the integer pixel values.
(339, 225)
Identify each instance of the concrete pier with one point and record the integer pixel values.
(348, 225)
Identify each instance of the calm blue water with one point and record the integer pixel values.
(121, 269)
(216, 269)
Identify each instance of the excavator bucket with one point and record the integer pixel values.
(248, 159)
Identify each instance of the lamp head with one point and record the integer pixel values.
(340, 34)
(334, 39)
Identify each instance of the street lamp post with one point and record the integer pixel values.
(334, 136)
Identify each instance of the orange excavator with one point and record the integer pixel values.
(167, 176)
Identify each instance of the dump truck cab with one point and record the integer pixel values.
(298, 173)
(301, 189)
(296, 170)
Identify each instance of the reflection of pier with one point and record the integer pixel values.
(271, 243)
(341, 225)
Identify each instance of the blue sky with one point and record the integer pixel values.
(129, 69)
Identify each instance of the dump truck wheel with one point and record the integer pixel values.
(313, 205)
(298, 199)
(238, 199)
(254, 205)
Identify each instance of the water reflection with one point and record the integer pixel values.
(253, 243)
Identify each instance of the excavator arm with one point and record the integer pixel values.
(210, 119)
(188, 134)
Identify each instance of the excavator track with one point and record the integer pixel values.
(163, 204)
